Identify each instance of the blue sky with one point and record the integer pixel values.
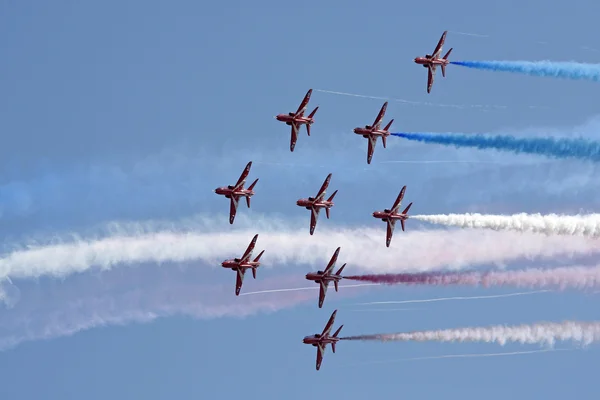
(136, 110)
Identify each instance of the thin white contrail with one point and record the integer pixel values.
(497, 296)
(305, 288)
(474, 355)
(416, 103)
(363, 247)
(469, 34)
(551, 224)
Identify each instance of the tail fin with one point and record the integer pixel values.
(338, 331)
(332, 196)
(312, 114)
(254, 273)
(447, 54)
(339, 272)
(251, 187)
(259, 256)
(444, 65)
(387, 127)
(406, 209)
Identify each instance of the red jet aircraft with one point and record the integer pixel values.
(431, 61)
(324, 277)
(391, 216)
(316, 203)
(297, 119)
(234, 192)
(372, 132)
(240, 265)
(320, 341)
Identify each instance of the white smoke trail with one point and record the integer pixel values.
(540, 333)
(551, 224)
(495, 296)
(362, 247)
(304, 288)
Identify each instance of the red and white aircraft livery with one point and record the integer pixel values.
(372, 132)
(297, 119)
(240, 265)
(320, 341)
(431, 61)
(234, 192)
(314, 204)
(324, 277)
(391, 216)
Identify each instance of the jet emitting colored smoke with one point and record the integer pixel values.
(540, 333)
(561, 148)
(565, 277)
(555, 69)
(551, 224)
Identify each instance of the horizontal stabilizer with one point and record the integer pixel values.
(259, 256)
(339, 272)
(338, 331)
(332, 196)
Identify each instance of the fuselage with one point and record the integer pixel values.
(235, 264)
(317, 339)
(288, 119)
(310, 202)
(386, 215)
(228, 191)
(425, 61)
(319, 277)
(368, 131)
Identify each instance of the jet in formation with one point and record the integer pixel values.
(323, 278)
(314, 204)
(431, 61)
(391, 216)
(297, 119)
(372, 132)
(235, 192)
(241, 265)
(321, 340)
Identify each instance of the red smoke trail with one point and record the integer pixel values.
(566, 277)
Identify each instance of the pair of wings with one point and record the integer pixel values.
(391, 223)
(299, 113)
(431, 69)
(326, 332)
(328, 271)
(242, 271)
(234, 201)
(314, 211)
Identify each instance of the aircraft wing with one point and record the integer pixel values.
(438, 48)
(372, 143)
(304, 103)
(320, 353)
(239, 280)
(233, 203)
(249, 250)
(430, 77)
(323, 292)
(324, 187)
(314, 217)
(243, 176)
(379, 118)
(294, 137)
(398, 201)
(391, 224)
(332, 262)
(329, 325)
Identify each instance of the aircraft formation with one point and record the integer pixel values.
(314, 204)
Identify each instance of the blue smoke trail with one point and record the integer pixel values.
(568, 70)
(554, 148)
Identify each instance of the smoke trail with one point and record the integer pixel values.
(556, 69)
(560, 148)
(540, 333)
(566, 277)
(64, 308)
(551, 224)
(363, 247)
